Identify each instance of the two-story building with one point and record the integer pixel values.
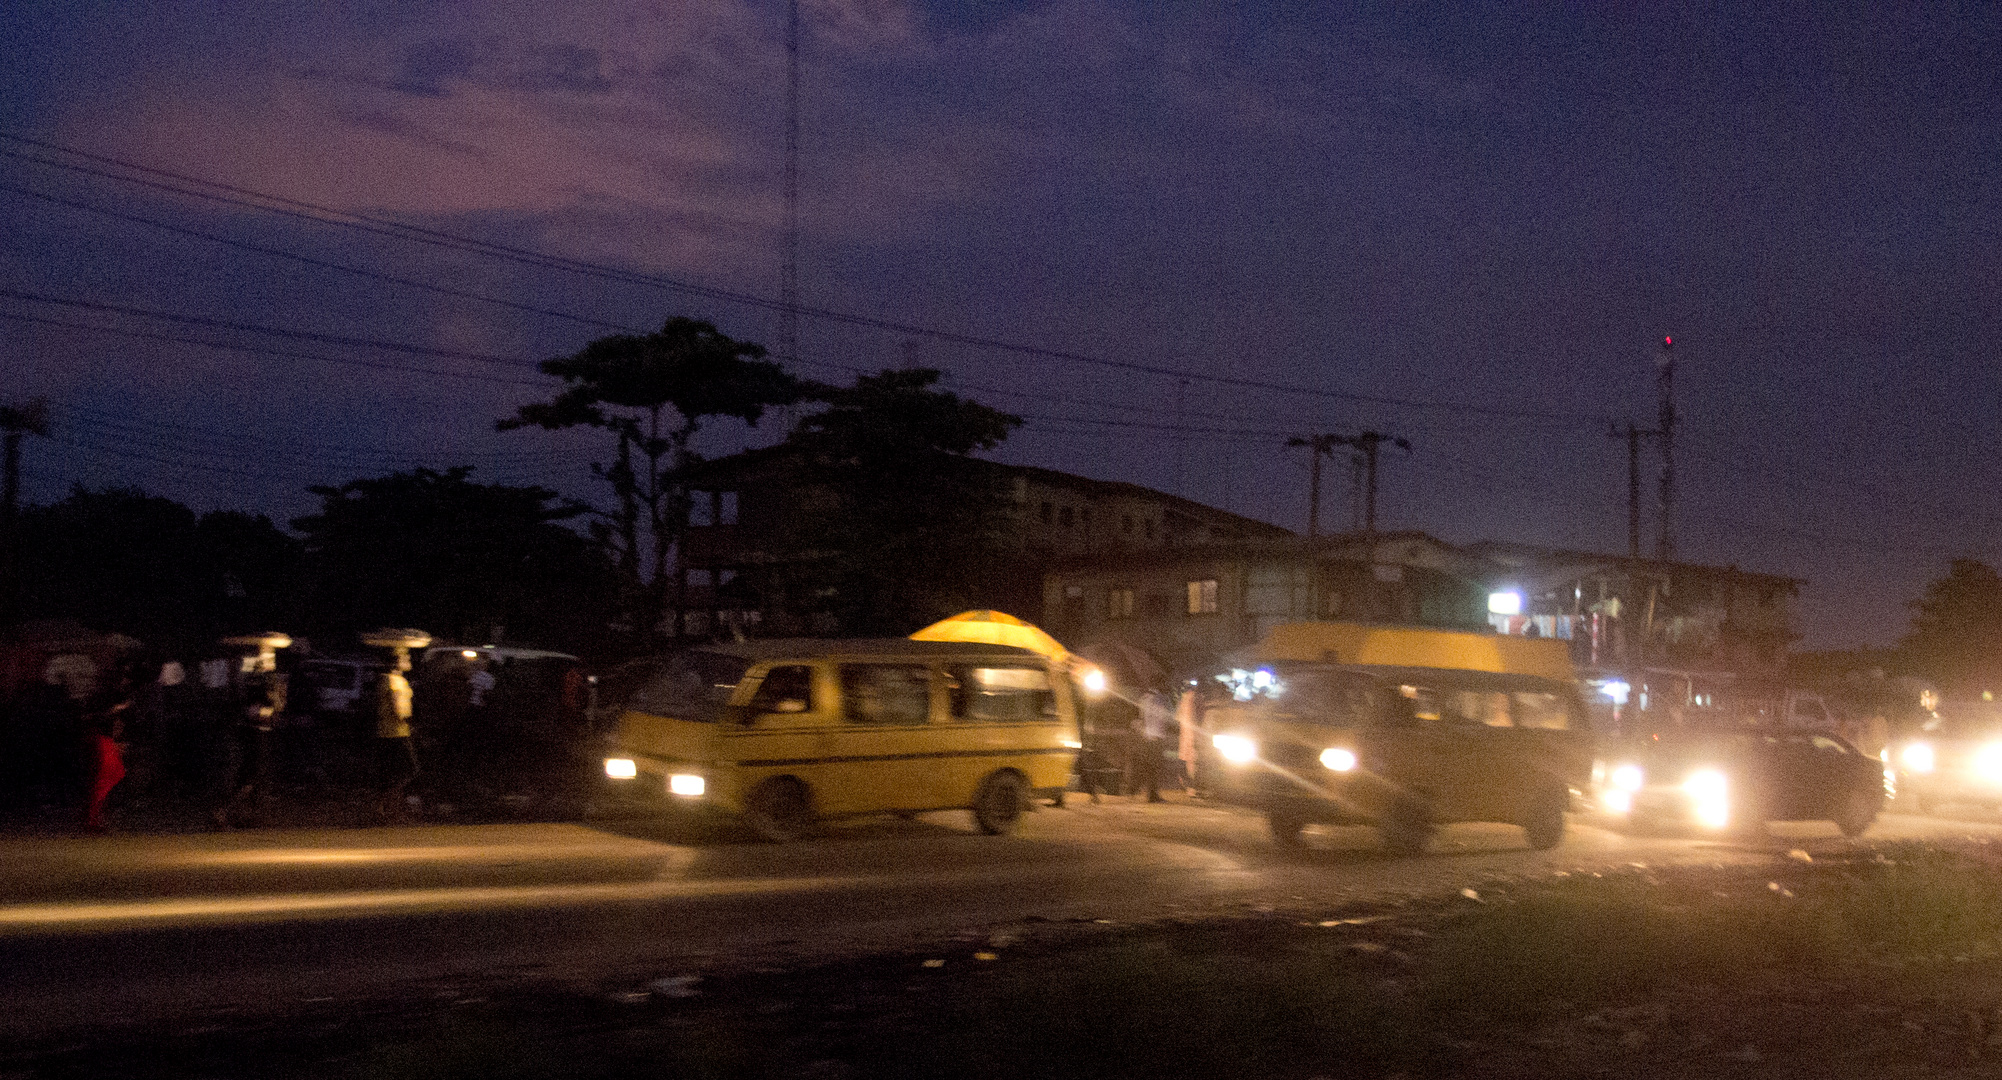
(743, 563)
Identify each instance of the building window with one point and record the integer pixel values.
(1064, 517)
(1202, 597)
(712, 508)
(1119, 604)
(1157, 605)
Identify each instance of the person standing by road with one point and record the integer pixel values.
(1155, 716)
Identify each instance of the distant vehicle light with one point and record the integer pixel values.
(686, 784)
(1616, 691)
(620, 768)
(1338, 758)
(1988, 763)
(1235, 749)
(1709, 798)
(1263, 678)
(1094, 681)
(470, 654)
(1919, 757)
(1629, 778)
(1617, 800)
(1508, 602)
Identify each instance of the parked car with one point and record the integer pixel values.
(1713, 781)
(336, 684)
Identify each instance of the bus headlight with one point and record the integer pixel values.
(1338, 758)
(686, 784)
(1709, 798)
(1918, 757)
(1235, 749)
(621, 768)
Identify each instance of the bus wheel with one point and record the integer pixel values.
(780, 809)
(1285, 828)
(1544, 825)
(1406, 828)
(998, 803)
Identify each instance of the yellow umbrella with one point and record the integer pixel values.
(994, 628)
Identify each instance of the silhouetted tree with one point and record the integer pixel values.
(119, 559)
(1956, 635)
(912, 533)
(434, 550)
(653, 392)
(16, 422)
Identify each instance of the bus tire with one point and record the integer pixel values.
(780, 809)
(1543, 826)
(997, 806)
(1406, 828)
(1285, 828)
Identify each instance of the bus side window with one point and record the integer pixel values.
(786, 689)
(1002, 694)
(886, 693)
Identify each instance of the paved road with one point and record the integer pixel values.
(145, 928)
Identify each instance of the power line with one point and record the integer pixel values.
(329, 215)
(325, 264)
(261, 350)
(254, 328)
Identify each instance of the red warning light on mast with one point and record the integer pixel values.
(1668, 343)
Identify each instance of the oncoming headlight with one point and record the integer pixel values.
(1628, 777)
(1709, 798)
(620, 768)
(686, 784)
(1988, 763)
(1918, 757)
(1338, 758)
(1235, 749)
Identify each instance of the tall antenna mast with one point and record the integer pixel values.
(789, 270)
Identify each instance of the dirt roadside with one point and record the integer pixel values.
(1887, 964)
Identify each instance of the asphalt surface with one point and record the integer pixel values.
(150, 929)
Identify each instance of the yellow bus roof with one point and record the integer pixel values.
(1413, 646)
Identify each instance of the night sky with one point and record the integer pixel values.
(1466, 226)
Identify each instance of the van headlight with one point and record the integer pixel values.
(1235, 749)
(1919, 757)
(1618, 794)
(1709, 798)
(1338, 758)
(621, 768)
(687, 784)
(1988, 763)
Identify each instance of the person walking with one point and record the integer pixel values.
(106, 754)
(395, 751)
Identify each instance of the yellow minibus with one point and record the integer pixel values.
(786, 733)
(1400, 727)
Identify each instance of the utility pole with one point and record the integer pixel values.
(789, 268)
(1665, 431)
(16, 421)
(1355, 492)
(1633, 435)
(1367, 442)
(1321, 445)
